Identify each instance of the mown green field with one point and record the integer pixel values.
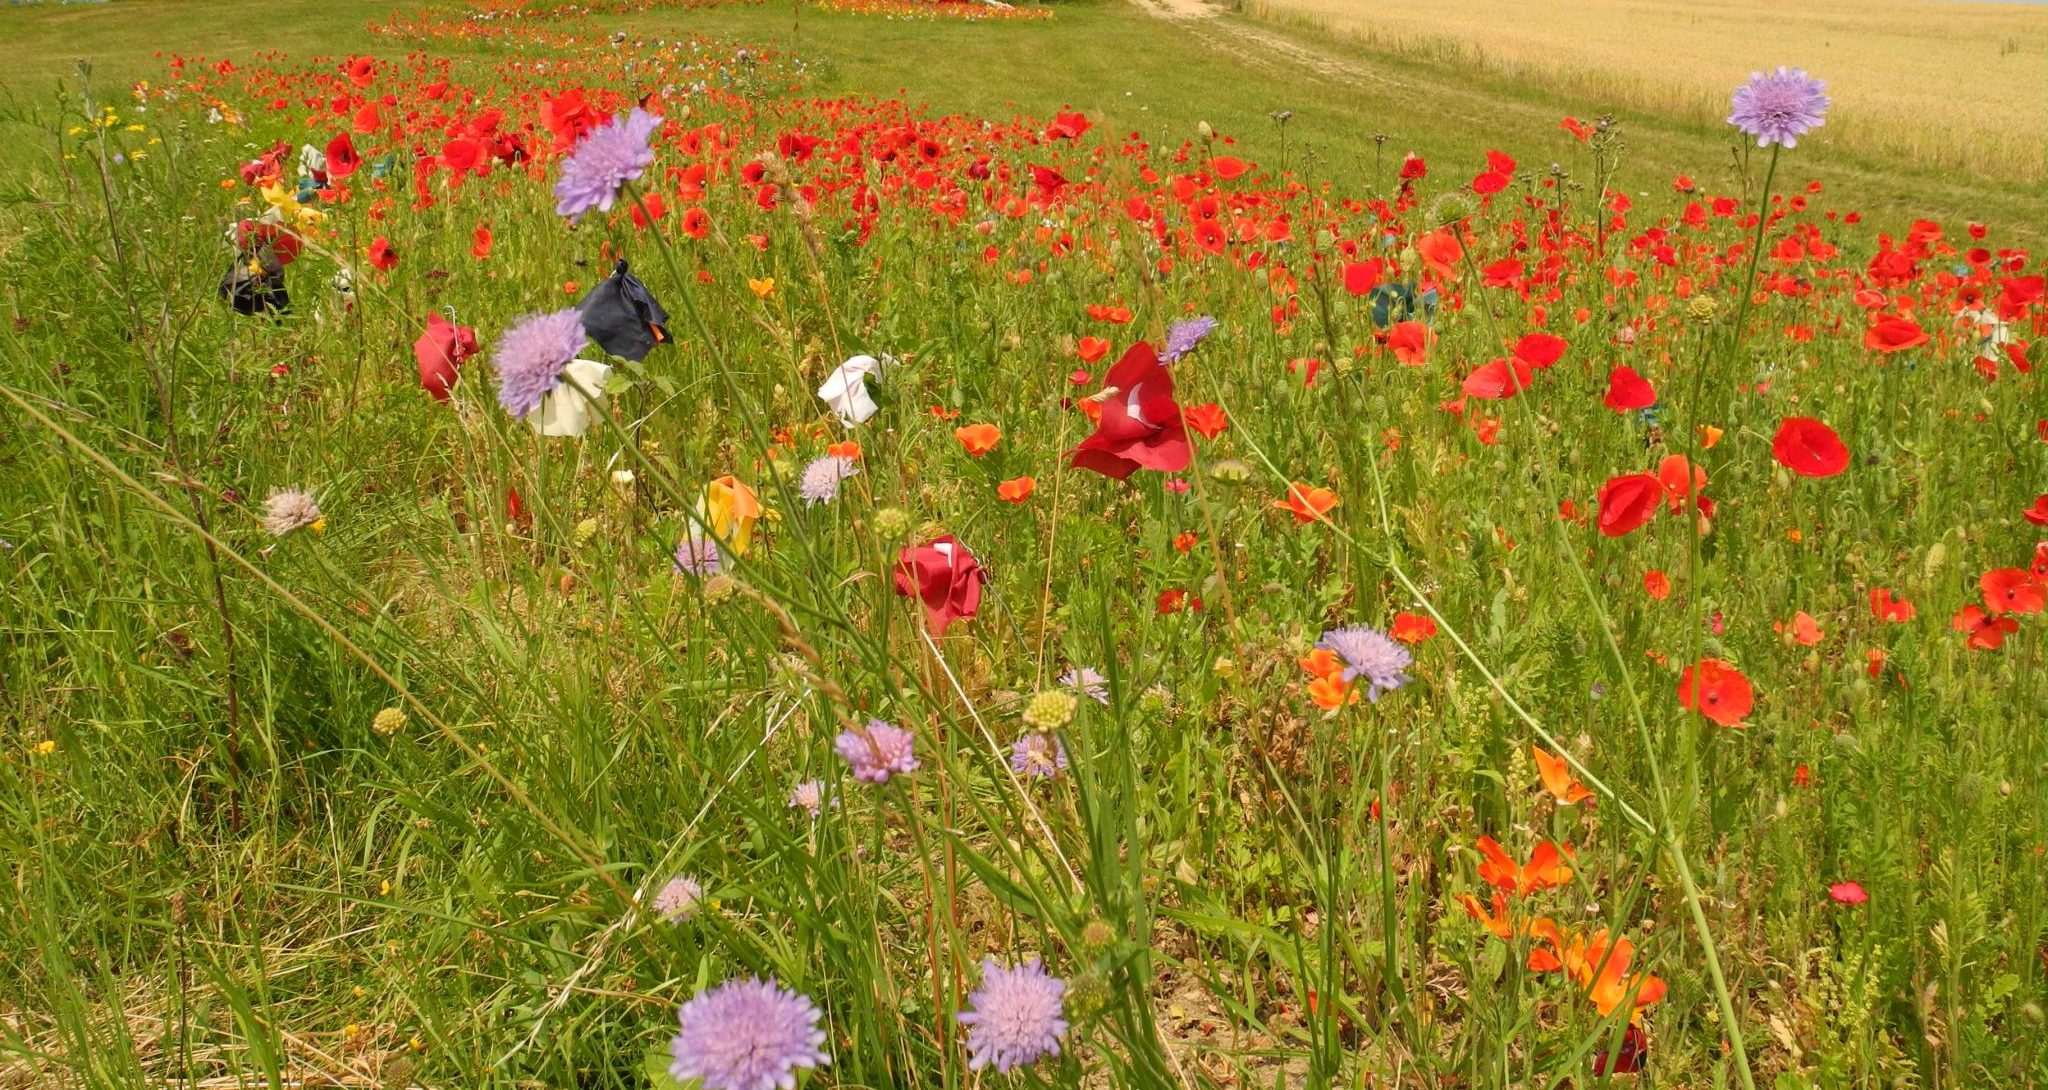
(1547, 627)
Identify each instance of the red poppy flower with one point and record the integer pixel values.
(342, 159)
(1892, 333)
(1723, 694)
(383, 255)
(1140, 424)
(1628, 390)
(945, 577)
(361, 71)
(1540, 350)
(1360, 277)
(1411, 628)
(1848, 893)
(1627, 502)
(1986, 631)
(1629, 1058)
(1441, 251)
(1091, 349)
(1497, 380)
(480, 243)
(1229, 167)
(2013, 590)
(1410, 343)
(1656, 584)
(440, 350)
(1809, 448)
(1208, 420)
(2037, 514)
(1886, 606)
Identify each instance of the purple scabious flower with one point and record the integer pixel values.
(1016, 1016)
(747, 1034)
(1779, 107)
(697, 556)
(530, 356)
(820, 481)
(1088, 681)
(678, 899)
(1184, 335)
(877, 751)
(1368, 653)
(608, 157)
(1038, 755)
(808, 795)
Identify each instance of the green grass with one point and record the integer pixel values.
(382, 800)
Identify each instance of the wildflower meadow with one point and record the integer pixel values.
(543, 550)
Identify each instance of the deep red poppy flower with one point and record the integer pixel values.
(1716, 690)
(945, 577)
(1629, 1058)
(1140, 424)
(1809, 448)
(2037, 514)
(1628, 502)
(1628, 390)
(440, 350)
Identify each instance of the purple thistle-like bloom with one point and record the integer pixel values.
(1039, 755)
(1184, 335)
(1780, 107)
(530, 356)
(747, 1034)
(1368, 653)
(697, 556)
(1089, 682)
(877, 751)
(1016, 1016)
(820, 482)
(678, 899)
(608, 157)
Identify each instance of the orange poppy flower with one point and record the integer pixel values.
(1331, 693)
(848, 450)
(1321, 662)
(1412, 628)
(1557, 777)
(1546, 869)
(979, 439)
(1497, 921)
(1016, 490)
(1305, 503)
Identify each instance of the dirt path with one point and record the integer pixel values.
(1251, 39)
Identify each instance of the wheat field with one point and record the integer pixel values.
(1946, 84)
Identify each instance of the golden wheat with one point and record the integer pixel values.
(1942, 85)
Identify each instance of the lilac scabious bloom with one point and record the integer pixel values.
(608, 157)
(530, 357)
(697, 556)
(1016, 1016)
(677, 901)
(1089, 681)
(1184, 335)
(808, 795)
(1779, 107)
(287, 509)
(877, 751)
(820, 482)
(1038, 755)
(747, 1034)
(1368, 653)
